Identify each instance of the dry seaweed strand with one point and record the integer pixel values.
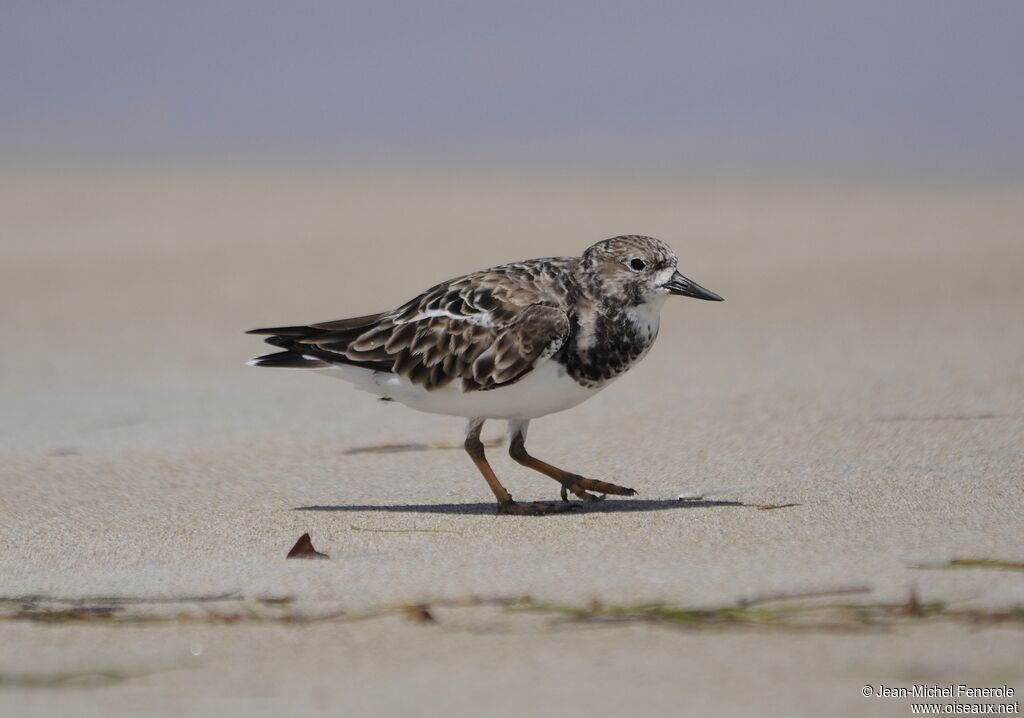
(403, 448)
(404, 531)
(776, 612)
(964, 563)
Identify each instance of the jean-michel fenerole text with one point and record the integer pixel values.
(948, 691)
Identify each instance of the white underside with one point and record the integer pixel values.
(545, 390)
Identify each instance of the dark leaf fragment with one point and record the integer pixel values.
(303, 548)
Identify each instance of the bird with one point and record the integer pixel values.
(514, 342)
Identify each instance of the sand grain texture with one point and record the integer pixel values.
(867, 367)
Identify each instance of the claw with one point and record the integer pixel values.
(582, 494)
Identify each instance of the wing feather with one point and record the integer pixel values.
(485, 330)
(481, 355)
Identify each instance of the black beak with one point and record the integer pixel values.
(684, 287)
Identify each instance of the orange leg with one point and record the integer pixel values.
(575, 483)
(475, 449)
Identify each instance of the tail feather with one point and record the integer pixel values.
(289, 360)
(305, 330)
(302, 351)
(299, 331)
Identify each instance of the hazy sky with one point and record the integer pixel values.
(922, 83)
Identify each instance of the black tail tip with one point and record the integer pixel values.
(287, 360)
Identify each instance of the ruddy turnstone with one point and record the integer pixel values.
(514, 342)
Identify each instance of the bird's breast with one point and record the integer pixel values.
(606, 344)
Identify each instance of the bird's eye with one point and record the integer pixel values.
(637, 265)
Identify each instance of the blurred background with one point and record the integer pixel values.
(679, 88)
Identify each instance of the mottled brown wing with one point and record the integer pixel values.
(485, 329)
(435, 349)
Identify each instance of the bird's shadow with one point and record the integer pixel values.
(608, 506)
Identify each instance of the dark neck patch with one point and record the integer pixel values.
(617, 344)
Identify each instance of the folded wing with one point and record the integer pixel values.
(466, 332)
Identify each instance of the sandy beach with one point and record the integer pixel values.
(865, 376)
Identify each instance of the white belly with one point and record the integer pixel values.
(545, 390)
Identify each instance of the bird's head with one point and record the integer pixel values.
(639, 270)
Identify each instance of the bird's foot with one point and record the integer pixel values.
(582, 495)
(534, 508)
(579, 487)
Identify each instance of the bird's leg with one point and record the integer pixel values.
(475, 449)
(578, 485)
